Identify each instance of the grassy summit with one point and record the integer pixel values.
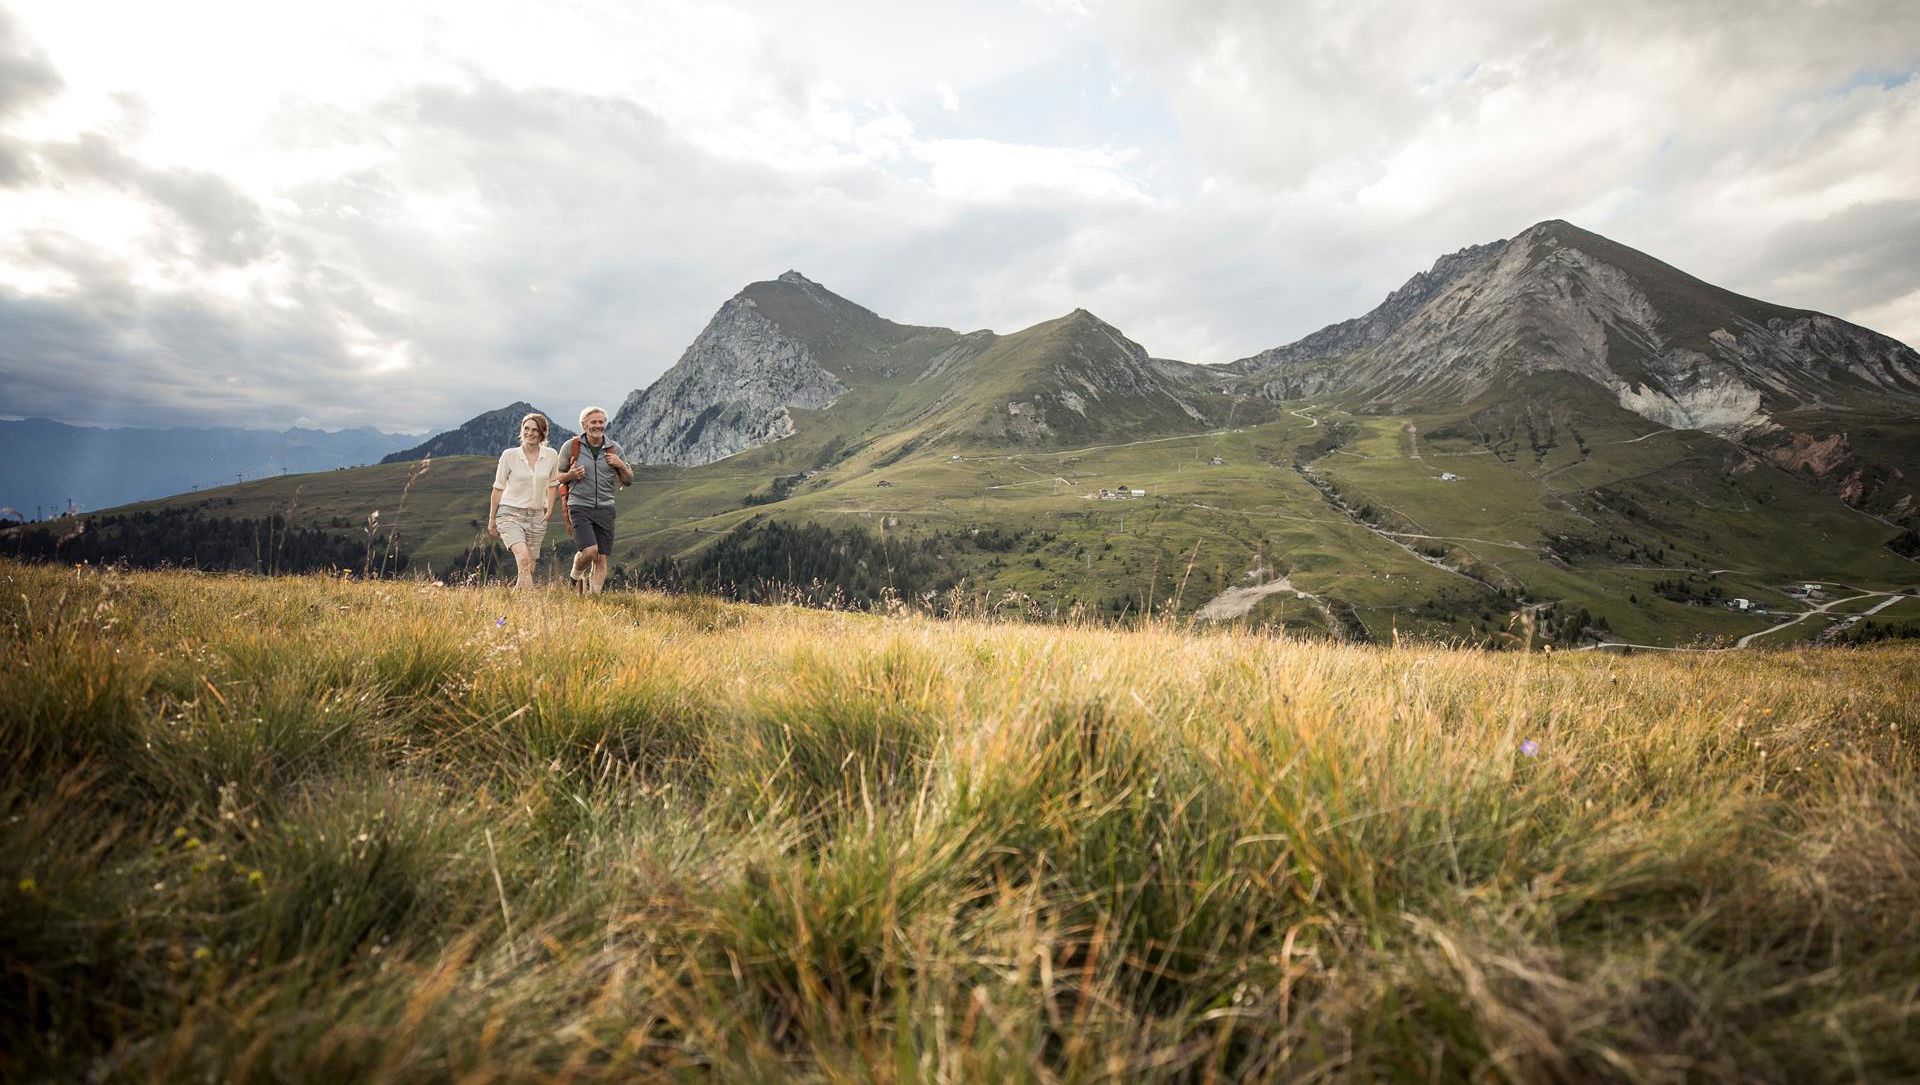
(301, 829)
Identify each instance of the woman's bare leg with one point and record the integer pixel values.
(523, 561)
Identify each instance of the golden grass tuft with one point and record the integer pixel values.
(307, 829)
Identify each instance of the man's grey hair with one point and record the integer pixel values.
(588, 411)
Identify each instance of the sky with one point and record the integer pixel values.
(400, 214)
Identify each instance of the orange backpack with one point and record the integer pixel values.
(573, 457)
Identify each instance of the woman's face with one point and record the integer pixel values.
(529, 431)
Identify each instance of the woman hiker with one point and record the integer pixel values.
(523, 496)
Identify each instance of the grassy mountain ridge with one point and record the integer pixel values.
(1563, 503)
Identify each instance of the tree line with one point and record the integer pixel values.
(764, 561)
(189, 538)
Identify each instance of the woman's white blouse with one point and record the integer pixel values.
(523, 488)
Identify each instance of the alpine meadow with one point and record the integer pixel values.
(1051, 542)
(320, 829)
(1514, 684)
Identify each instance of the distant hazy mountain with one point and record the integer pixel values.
(46, 464)
(482, 435)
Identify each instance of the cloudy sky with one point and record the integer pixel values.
(401, 214)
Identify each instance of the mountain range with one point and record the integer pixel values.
(484, 434)
(51, 464)
(1552, 432)
(1677, 351)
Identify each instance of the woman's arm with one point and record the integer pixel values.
(551, 464)
(493, 512)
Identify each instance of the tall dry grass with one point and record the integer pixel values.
(302, 829)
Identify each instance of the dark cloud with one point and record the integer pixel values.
(1862, 256)
(112, 351)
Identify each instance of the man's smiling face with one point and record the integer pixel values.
(596, 427)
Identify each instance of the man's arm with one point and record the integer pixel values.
(619, 464)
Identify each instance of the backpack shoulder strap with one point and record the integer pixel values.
(573, 453)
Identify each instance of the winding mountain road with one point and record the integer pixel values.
(1891, 597)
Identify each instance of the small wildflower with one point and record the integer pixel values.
(28, 885)
(180, 833)
(193, 843)
(1530, 748)
(202, 953)
(501, 621)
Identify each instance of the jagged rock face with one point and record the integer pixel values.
(1667, 346)
(1385, 318)
(1102, 362)
(729, 392)
(482, 435)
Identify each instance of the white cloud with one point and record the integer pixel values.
(350, 203)
(979, 169)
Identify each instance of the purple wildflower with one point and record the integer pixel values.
(501, 621)
(1530, 748)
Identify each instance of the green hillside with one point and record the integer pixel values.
(1570, 521)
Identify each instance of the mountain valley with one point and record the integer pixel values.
(1548, 439)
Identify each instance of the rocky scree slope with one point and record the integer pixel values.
(730, 391)
(1334, 340)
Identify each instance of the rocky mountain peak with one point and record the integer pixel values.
(1102, 335)
(1386, 318)
(731, 389)
(1674, 349)
(791, 276)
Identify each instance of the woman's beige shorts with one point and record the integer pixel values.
(519, 525)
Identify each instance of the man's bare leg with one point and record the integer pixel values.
(598, 575)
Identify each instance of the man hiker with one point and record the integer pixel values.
(594, 472)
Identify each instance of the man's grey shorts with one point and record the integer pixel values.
(593, 527)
